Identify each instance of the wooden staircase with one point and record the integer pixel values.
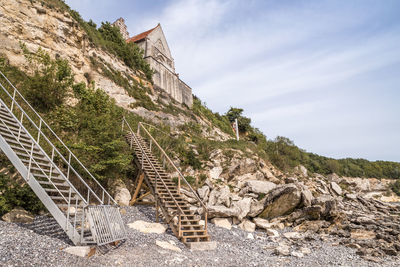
(184, 223)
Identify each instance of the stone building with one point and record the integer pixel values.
(158, 55)
(120, 23)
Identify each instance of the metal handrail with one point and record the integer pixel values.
(41, 133)
(153, 167)
(173, 165)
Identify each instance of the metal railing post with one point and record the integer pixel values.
(19, 130)
(13, 99)
(69, 165)
(40, 130)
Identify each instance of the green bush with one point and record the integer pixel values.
(396, 187)
(48, 87)
(13, 194)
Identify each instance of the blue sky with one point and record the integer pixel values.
(326, 74)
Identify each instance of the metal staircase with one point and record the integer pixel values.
(184, 223)
(77, 201)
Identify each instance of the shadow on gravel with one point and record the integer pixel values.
(47, 226)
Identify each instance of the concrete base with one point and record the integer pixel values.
(209, 245)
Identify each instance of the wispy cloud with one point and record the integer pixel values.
(323, 73)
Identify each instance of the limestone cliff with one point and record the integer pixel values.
(58, 33)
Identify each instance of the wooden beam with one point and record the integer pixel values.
(139, 198)
(137, 189)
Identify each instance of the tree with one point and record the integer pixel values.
(243, 122)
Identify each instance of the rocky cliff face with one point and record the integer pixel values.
(60, 35)
(56, 32)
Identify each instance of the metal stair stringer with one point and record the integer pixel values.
(58, 215)
(55, 174)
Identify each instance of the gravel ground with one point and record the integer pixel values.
(20, 246)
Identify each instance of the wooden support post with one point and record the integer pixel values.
(139, 198)
(156, 211)
(137, 189)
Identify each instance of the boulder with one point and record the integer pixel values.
(297, 254)
(122, 196)
(306, 196)
(282, 250)
(223, 197)
(262, 223)
(243, 206)
(222, 211)
(272, 233)
(213, 197)
(259, 187)
(215, 172)
(222, 222)
(336, 188)
(301, 170)
(292, 235)
(18, 215)
(167, 245)
(247, 226)
(281, 201)
(256, 207)
(147, 227)
(362, 234)
(81, 251)
(203, 192)
(328, 206)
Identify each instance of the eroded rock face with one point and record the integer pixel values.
(18, 215)
(281, 201)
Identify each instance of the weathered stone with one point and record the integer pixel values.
(222, 222)
(247, 226)
(260, 187)
(306, 196)
(203, 192)
(262, 223)
(167, 245)
(224, 197)
(250, 236)
(292, 235)
(362, 234)
(301, 170)
(81, 251)
(18, 215)
(297, 254)
(336, 188)
(272, 233)
(282, 250)
(147, 228)
(243, 206)
(281, 201)
(222, 211)
(305, 250)
(212, 198)
(215, 172)
(256, 207)
(122, 196)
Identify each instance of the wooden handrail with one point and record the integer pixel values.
(173, 164)
(154, 168)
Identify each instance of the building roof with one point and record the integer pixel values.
(141, 36)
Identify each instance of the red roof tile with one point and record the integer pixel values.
(140, 36)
